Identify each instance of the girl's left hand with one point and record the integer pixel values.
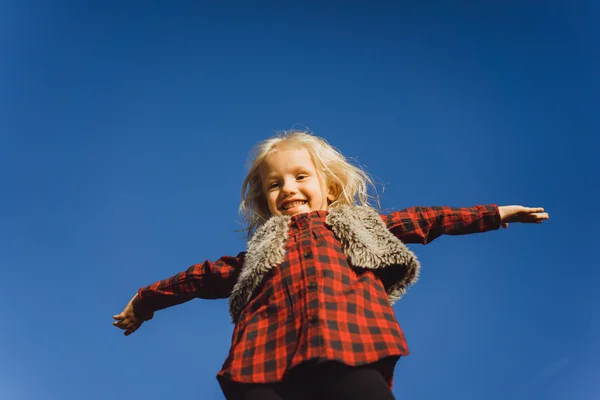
(132, 317)
(527, 215)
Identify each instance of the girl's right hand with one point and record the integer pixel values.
(132, 317)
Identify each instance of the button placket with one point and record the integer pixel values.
(311, 289)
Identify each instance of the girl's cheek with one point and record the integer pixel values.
(273, 202)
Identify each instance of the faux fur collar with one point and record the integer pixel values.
(366, 242)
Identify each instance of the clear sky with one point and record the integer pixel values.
(124, 132)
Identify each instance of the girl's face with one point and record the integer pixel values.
(291, 183)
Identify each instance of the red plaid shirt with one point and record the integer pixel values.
(314, 305)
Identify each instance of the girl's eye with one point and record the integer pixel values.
(273, 185)
(300, 177)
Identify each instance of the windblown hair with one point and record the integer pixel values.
(350, 184)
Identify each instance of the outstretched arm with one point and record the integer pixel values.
(209, 280)
(424, 224)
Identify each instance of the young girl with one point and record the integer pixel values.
(312, 296)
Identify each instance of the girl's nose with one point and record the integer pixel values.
(289, 188)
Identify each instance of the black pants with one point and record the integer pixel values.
(324, 381)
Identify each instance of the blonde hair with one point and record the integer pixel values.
(349, 184)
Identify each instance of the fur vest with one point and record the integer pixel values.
(366, 241)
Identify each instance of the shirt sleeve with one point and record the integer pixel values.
(424, 224)
(209, 280)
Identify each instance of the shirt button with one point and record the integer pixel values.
(307, 255)
(313, 319)
(312, 286)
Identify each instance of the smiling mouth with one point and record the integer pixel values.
(293, 204)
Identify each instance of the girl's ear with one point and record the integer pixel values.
(332, 193)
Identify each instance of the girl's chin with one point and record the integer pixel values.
(304, 208)
(293, 212)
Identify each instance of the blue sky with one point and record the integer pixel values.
(124, 132)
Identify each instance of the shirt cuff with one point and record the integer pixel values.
(490, 217)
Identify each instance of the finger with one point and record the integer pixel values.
(123, 322)
(120, 316)
(119, 325)
(133, 323)
(126, 327)
(131, 330)
(526, 211)
(126, 322)
(540, 216)
(536, 218)
(535, 209)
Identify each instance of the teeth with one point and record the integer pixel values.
(293, 204)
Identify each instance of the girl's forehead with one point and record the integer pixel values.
(291, 154)
(286, 158)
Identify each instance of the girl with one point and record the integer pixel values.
(312, 296)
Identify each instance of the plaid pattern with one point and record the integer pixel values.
(315, 305)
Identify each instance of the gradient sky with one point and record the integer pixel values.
(124, 133)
